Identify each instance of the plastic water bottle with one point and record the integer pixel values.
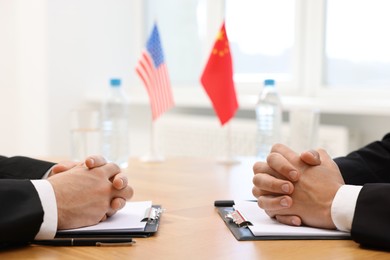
(115, 125)
(269, 119)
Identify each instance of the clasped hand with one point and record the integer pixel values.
(297, 189)
(88, 192)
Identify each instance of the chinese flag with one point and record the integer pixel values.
(217, 79)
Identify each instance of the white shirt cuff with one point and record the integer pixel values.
(343, 206)
(48, 199)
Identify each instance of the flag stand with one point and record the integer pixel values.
(228, 159)
(152, 156)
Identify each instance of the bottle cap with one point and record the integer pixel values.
(115, 82)
(269, 82)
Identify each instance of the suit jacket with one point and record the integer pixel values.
(370, 167)
(22, 212)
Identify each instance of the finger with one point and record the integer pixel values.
(325, 157)
(270, 213)
(104, 218)
(279, 163)
(311, 157)
(110, 213)
(268, 183)
(120, 181)
(289, 220)
(63, 166)
(263, 167)
(95, 161)
(117, 204)
(284, 150)
(256, 192)
(125, 193)
(272, 203)
(109, 170)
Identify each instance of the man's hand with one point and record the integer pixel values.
(286, 169)
(119, 181)
(108, 185)
(313, 192)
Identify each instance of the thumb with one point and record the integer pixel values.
(311, 157)
(94, 161)
(325, 157)
(63, 166)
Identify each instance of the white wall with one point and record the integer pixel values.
(23, 78)
(52, 53)
(9, 93)
(90, 41)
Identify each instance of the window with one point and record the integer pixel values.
(312, 48)
(357, 43)
(261, 36)
(181, 25)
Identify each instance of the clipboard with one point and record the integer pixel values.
(152, 218)
(239, 226)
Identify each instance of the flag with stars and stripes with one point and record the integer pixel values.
(153, 72)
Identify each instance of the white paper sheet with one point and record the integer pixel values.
(263, 225)
(127, 218)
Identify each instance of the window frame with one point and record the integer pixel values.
(307, 86)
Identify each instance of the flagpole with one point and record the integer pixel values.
(152, 156)
(229, 158)
(153, 72)
(217, 81)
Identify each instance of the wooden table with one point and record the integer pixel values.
(190, 226)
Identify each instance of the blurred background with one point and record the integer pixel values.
(56, 55)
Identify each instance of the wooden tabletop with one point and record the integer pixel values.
(190, 225)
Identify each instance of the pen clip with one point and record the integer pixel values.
(116, 244)
(238, 218)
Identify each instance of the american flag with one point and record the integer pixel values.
(153, 72)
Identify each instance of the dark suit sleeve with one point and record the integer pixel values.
(20, 167)
(370, 164)
(370, 167)
(21, 209)
(371, 222)
(22, 213)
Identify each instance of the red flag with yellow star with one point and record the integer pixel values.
(217, 79)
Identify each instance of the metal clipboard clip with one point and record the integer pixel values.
(238, 218)
(152, 215)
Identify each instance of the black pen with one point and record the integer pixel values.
(227, 203)
(113, 241)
